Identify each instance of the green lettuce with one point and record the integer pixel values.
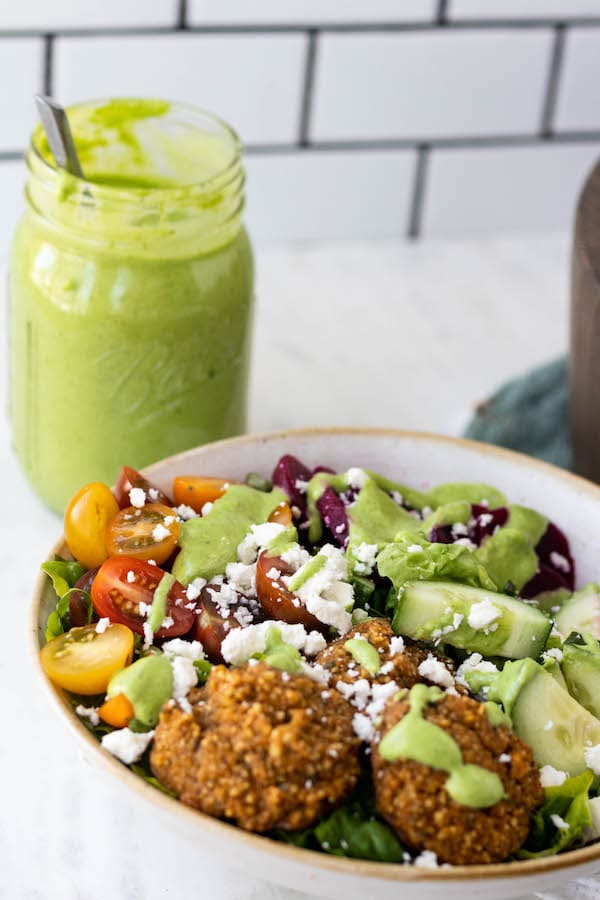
(64, 574)
(353, 830)
(412, 558)
(569, 801)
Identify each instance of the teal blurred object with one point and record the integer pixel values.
(528, 414)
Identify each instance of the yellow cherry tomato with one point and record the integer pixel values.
(83, 660)
(196, 490)
(282, 514)
(86, 518)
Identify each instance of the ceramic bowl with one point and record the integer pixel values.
(420, 460)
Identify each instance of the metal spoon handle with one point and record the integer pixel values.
(60, 138)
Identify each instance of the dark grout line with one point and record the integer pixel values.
(307, 90)
(48, 65)
(441, 16)
(182, 15)
(415, 221)
(302, 28)
(553, 82)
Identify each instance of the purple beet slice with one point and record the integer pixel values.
(288, 472)
(333, 513)
(485, 522)
(441, 534)
(546, 579)
(553, 550)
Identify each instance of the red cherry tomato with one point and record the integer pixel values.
(276, 600)
(151, 532)
(122, 583)
(78, 602)
(211, 628)
(130, 478)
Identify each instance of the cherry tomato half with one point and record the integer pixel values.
(84, 661)
(130, 478)
(195, 491)
(122, 583)
(282, 514)
(118, 711)
(88, 513)
(276, 600)
(211, 628)
(151, 532)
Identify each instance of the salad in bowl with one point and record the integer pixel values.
(337, 660)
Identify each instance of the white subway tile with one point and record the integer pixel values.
(521, 9)
(203, 12)
(578, 102)
(429, 84)
(329, 196)
(12, 184)
(253, 82)
(48, 14)
(485, 190)
(21, 77)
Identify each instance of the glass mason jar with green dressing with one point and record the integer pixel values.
(131, 295)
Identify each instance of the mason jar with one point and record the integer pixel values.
(131, 295)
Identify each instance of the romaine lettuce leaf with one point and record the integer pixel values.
(565, 805)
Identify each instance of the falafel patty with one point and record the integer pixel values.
(412, 798)
(400, 658)
(260, 747)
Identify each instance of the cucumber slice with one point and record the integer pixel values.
(556, 727)
(581, 669)
(457, 615)
(581, 612)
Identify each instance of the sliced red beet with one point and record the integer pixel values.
(333, 513)
(286, 475)
(441, 534)
(554, 551)
(485, 521)
(546, 579)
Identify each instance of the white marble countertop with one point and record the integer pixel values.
(393, 335)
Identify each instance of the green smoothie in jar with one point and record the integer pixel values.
(131, 295)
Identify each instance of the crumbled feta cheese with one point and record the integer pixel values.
(426, 860)
(153, 494)
(363, 727)
(242, 643)
(414, 548)
(194, 588)
(380, 694)
(560, 562)
(387, 667)
(592, 758)
(434, 670)
(396, 645)
(127, 745)
(258, 537)
(316, 671)
(102, 625)
(482, 614)
(301, 485)
(185, 677)
(137, 497)
(168, 520)
(366, 555)
(178, 647)
(243, 616)
(206, 508)
(160, 533)
(397, 497)
(327, 594)
(504, 758)
(459, 530)
(553, 653)
(485, 519)
(559, 822)
(551, 777)
(549, 725)
(131, 576)
(295, 556)
(357, 478)
(466, 542)
(88, 712)
(356, 692)
(167, 622)
(148, 634)
(151, 562)
(474, 663)
(273, 573)
(242, 577)
(186, 512)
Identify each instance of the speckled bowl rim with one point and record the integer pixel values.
(231, 834)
